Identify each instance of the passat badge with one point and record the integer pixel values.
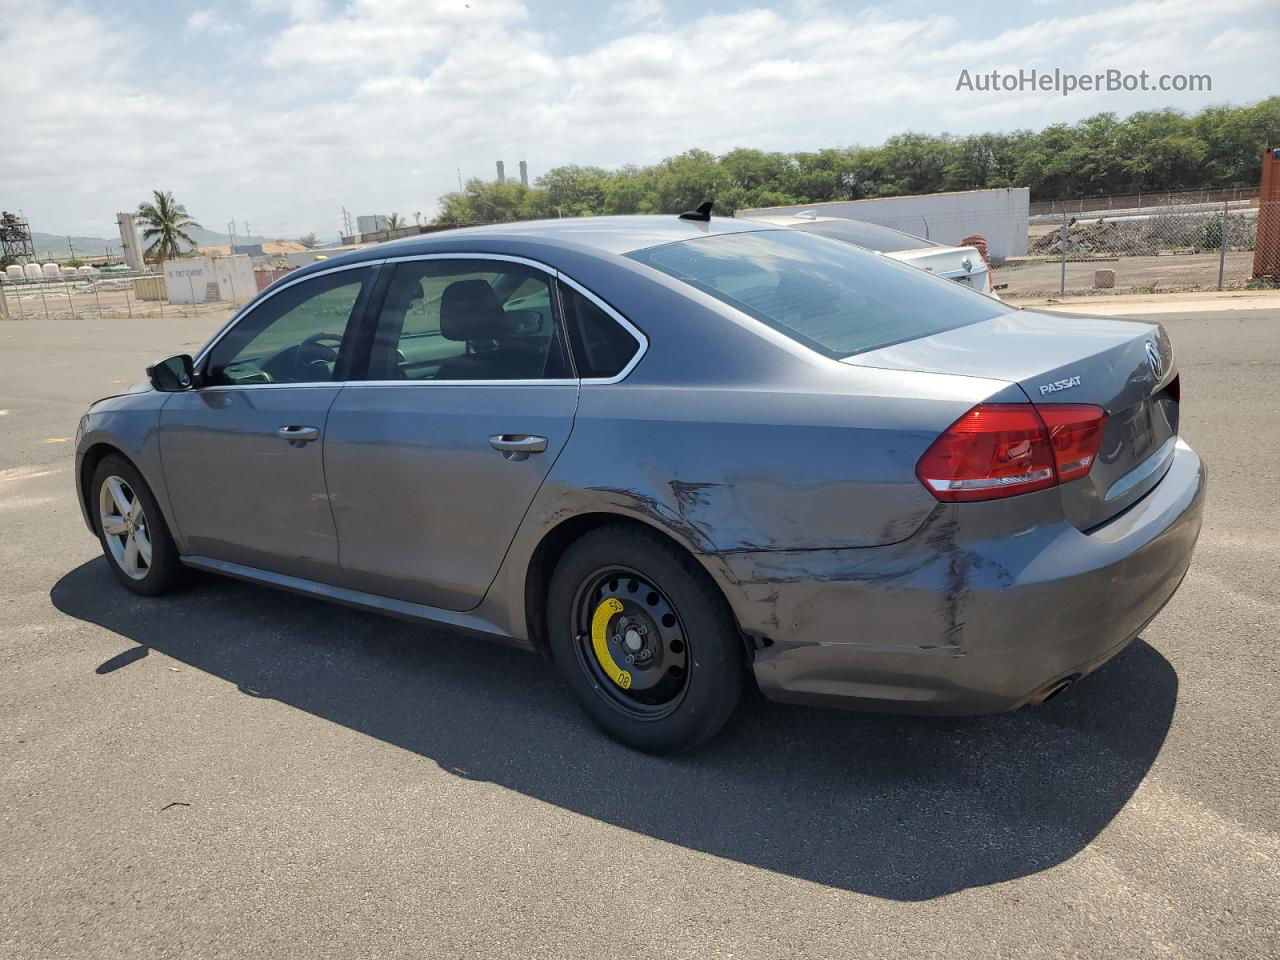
(1057, 385)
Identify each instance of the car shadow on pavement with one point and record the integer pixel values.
(900, 807)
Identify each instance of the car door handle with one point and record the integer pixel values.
(298, 435)
(517, 446)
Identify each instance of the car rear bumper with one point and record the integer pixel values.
(957, 623)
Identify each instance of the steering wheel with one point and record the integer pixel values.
(317, 350)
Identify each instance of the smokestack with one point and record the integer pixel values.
(524, 173)
(502, 175)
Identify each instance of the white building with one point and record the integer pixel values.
(371, 223)
(209, 279)
(998, 215)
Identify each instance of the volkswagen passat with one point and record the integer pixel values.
(673, 454)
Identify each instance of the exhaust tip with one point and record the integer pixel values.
(1052, 690)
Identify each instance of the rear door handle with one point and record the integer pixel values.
(298, 435)
(517, 446)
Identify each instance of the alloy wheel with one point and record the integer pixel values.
(124, 527)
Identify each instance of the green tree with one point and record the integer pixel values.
(1101, 154)
(573, 191)
(395, 221)
(165, 224)
(310, 241)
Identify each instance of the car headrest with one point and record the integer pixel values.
(402, 296)
(469, 310)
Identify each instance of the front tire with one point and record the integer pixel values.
(644, 640)
(133, 533)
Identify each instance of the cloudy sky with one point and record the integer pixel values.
(283, 111)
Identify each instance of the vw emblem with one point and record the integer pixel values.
(967, 264)
(1153, 358)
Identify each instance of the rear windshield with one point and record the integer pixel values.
(828, 295)
(869, 235)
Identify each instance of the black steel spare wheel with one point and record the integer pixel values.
(643, 639)
(631, 641)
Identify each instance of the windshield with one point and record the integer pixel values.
(869, 235)
(830, 296)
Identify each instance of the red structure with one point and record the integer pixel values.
(1266, 249)
(267, 277)
(979, 243)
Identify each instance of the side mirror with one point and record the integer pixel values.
(172, 375)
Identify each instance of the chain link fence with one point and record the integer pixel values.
(1178, 247)
(103, 296)
(1172, 248)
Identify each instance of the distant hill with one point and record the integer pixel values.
(53, 246)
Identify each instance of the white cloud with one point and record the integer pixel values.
(294, 9)
(374, 105)
(208, 20)
(644, 14)
(1237, 42)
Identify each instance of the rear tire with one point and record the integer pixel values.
(132, 530)
(644, 640)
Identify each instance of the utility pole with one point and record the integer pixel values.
(459, 179)
(1222, 245)
(70, 247)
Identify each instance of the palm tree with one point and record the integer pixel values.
(395, 222)
(165, 223)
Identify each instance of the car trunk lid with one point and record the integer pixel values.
(962, 264)
(1125, 367)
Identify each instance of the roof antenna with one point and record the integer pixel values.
(701, 213)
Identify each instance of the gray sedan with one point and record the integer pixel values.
(673, 454)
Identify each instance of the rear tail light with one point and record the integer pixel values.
(1003, 449)
(1075, 431)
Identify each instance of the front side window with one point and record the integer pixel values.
(602, 347)
(467, 320)
(830, 296)
(294, 336)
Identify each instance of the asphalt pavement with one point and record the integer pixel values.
(236, 772)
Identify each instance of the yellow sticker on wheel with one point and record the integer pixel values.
(599, 641)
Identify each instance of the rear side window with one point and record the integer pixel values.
(602, 347)
(476, 319)
(830, 296)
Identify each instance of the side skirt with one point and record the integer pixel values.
(402, 609)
